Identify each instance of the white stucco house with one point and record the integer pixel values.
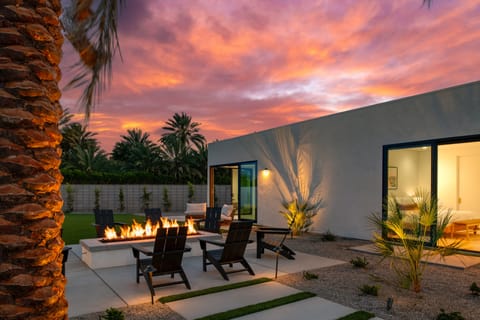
(352, 160)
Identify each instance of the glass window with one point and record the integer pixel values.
(458, 191)
(408, 178)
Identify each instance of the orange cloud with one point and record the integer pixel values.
(244, 66)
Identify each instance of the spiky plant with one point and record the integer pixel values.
(407, 236)
(299, 215)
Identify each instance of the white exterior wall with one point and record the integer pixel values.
(342, 153)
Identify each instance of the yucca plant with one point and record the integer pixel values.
(299, 215)
(408, 234)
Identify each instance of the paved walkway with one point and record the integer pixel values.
(96, 290)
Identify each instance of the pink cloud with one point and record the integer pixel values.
(244, 66)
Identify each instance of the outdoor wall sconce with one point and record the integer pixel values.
(266, 172)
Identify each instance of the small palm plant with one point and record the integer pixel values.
(299, 215)
(409, 234)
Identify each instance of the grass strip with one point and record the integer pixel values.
(191, 294)
(358, 315)
(253, 308)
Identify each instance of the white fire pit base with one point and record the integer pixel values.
(97, 254)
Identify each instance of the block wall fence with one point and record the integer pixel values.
(84, 196)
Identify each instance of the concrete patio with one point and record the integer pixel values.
(96, 290)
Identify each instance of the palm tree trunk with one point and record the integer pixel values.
(31, 282)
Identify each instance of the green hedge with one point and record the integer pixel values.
(75, 176)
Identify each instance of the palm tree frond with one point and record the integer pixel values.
(94, 36)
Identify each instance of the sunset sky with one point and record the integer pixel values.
(243, 66)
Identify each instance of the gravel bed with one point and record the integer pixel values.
(442, 287)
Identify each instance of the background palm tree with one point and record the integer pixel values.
(76, 137)
(184, 132)
(182, 142)
(90, 159)
(137, 152)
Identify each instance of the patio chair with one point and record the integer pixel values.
(211, 223)
(271, 243)
(103, 219)
(65, 252)
(165, 259)
(153, 214)
(233, 249)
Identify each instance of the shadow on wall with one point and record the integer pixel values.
(299, 175)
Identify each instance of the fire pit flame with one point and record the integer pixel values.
(138, 231)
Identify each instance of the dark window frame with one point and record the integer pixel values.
(433, 144)
(238, 164)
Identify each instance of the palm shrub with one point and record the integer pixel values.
(97, 199)
(113, 314)
(145, 197)
(166, 201)
(121, 200)
(299, 215)
(70, 198)
(409, 234)
(191, 191)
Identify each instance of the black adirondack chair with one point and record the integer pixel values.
(233, 249)
(103, 219)
(211, 223)
(165, 259)
(153, 214)
(65, 252)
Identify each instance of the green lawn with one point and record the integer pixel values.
(79, 226)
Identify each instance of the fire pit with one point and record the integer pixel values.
(103, 252)
(138, 231)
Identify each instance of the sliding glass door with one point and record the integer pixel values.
(448, 170)
(235, 184)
